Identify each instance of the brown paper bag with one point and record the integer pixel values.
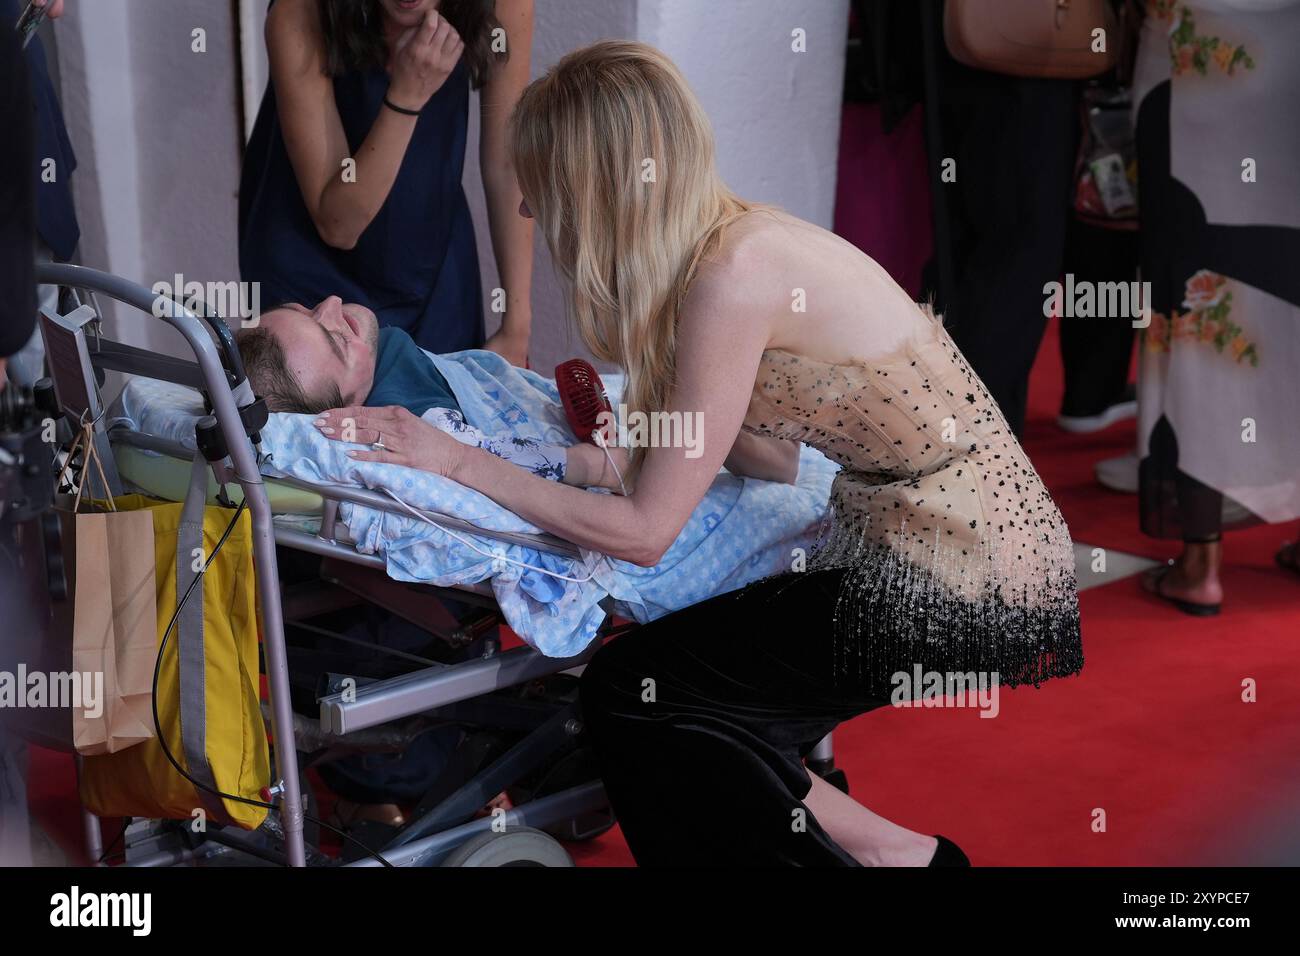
(114, 616)
(114, 629)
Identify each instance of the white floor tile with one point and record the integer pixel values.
(1097, 566)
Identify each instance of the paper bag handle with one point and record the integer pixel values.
(86, 439)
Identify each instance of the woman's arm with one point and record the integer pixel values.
(595, 467)
(342, 206)
(583, 465)
(763, 457)
(719, 344)
(512, 234)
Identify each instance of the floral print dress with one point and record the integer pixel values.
(1217, 94)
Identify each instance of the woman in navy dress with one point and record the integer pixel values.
(352, 179)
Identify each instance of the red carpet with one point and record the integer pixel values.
(1149, 757)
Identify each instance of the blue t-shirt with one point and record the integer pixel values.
(405, 376)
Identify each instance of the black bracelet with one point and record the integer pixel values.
(398, 109)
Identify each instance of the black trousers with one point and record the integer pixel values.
(1096, 353)
(700, 720)
(1014, 142)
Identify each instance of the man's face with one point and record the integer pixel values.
(333, 344)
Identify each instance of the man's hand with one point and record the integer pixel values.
(395, 437)
(512, 346)
(55, 8)
(423, 59)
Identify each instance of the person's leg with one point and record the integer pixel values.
(1194, 575)
(1014, 142)
(15, 828)
(1096, 352)
(700, 720)
(27, 366)
(1172, 499)
(866, 836)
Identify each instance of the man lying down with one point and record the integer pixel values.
(310, 360)
(331, 356)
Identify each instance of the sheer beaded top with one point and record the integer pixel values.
(930, 468)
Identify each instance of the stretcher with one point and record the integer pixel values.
(351, 715)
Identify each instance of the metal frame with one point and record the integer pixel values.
(442, 691)
(225, 403)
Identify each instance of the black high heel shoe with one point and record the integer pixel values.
(948, 853)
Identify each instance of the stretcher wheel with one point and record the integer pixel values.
(520, 846)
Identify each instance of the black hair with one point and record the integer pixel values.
(354, 37)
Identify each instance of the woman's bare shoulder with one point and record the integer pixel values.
(748, 265)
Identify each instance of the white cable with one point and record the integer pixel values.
(487, 554)
(599, 438)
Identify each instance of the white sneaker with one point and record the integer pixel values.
(1119, 474)
(1082, 424)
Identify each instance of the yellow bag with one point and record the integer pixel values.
(208, 687)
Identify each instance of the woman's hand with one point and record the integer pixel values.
(423, 58)
(511, 346)
(395, 436)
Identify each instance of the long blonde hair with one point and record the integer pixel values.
(615, 157)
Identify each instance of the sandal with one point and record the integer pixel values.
(1152, 582)
(1287, 557)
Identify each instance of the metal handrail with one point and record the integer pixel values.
(227, 395)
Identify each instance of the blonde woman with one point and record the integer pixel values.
(944, 551)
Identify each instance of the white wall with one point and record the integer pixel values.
(157, 127)
(775, 113)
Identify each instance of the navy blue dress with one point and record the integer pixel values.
(416, 265)
(56, 219)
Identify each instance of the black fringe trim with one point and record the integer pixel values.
(892, 615)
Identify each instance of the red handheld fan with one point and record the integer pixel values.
(583, 395)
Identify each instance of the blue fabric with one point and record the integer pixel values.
(405, 376)
(416, 264)
(741, 531)
(56, 217)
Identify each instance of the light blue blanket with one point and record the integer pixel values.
(743, 530)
